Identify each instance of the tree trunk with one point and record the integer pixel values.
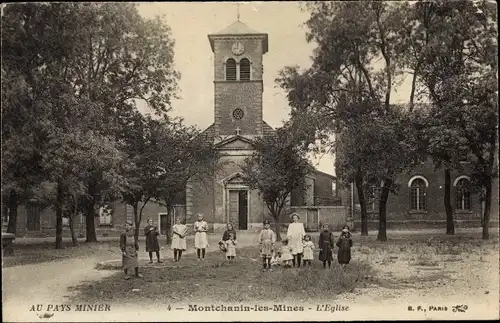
(12, 204)
(137, 220)
(382, 211)
(487, 209)
(59, 216)
(74, 240)
(90, 222)
(414, 86)
(450, 226)
(361, 197)
(168, 232)
(277, 226)
(90, 215)
(72, 214)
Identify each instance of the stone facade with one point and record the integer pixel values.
(399, 209)
(225, 197)
(34, 221)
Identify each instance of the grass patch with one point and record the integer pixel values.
(215, 279)
(45, 252)
(425, 260)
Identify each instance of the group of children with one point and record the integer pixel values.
(297, 246)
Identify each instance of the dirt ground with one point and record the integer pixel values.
(438, 276)
(435, 272)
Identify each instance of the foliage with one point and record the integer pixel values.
(459, 71)
(163, 154)
(72, 73)
(276, 168)
(357, 64)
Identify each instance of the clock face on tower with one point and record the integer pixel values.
(238, 48)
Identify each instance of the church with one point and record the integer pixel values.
(238, 118)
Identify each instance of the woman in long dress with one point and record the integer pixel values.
(129, 247)
(200, 237)
(152, 245)
(295, 236)
(179, 239)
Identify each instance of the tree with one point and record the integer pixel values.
(343, 87)
(163, 155)
(106, 53)
(67, 161)
(352, 160)
(190, 157)
(276, 168)
(125, 58)
(459, 72)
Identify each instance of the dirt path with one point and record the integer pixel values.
(45, 283)
(49, 282)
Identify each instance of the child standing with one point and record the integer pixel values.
(308, 246)
(229, 229)
(326, 243)
(267, 238)
(344, 243)
(286, 254)
(151, 233)
(200, 237)
(225, 236)
(129, 247)
(295, 236)
(231, 247)
(179, 245)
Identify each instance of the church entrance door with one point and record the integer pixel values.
(238, 208)
(243, 210)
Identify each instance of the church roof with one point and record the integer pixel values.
(239, 28)
(267, 130)
(209, 133)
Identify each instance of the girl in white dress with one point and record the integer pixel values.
(179, 239)
(308, 246)
(295, 235)
(231, 247)
(200, 237)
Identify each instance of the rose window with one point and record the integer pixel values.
(238, 114)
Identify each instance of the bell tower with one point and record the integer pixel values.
(238, 53)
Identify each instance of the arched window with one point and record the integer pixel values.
(463, 190)
(418, 192)
(244, 69)
(230, 70)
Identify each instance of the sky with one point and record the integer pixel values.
(192, 22)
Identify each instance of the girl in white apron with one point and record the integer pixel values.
(200, 237)
(178, 239)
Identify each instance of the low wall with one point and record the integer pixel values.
(314, 217)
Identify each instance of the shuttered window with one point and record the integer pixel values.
(244, 70)
(230, 70)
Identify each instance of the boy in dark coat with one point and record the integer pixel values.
(152, 245)
(326, 244)
(344, 243)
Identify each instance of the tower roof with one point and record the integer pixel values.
(238, 28)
